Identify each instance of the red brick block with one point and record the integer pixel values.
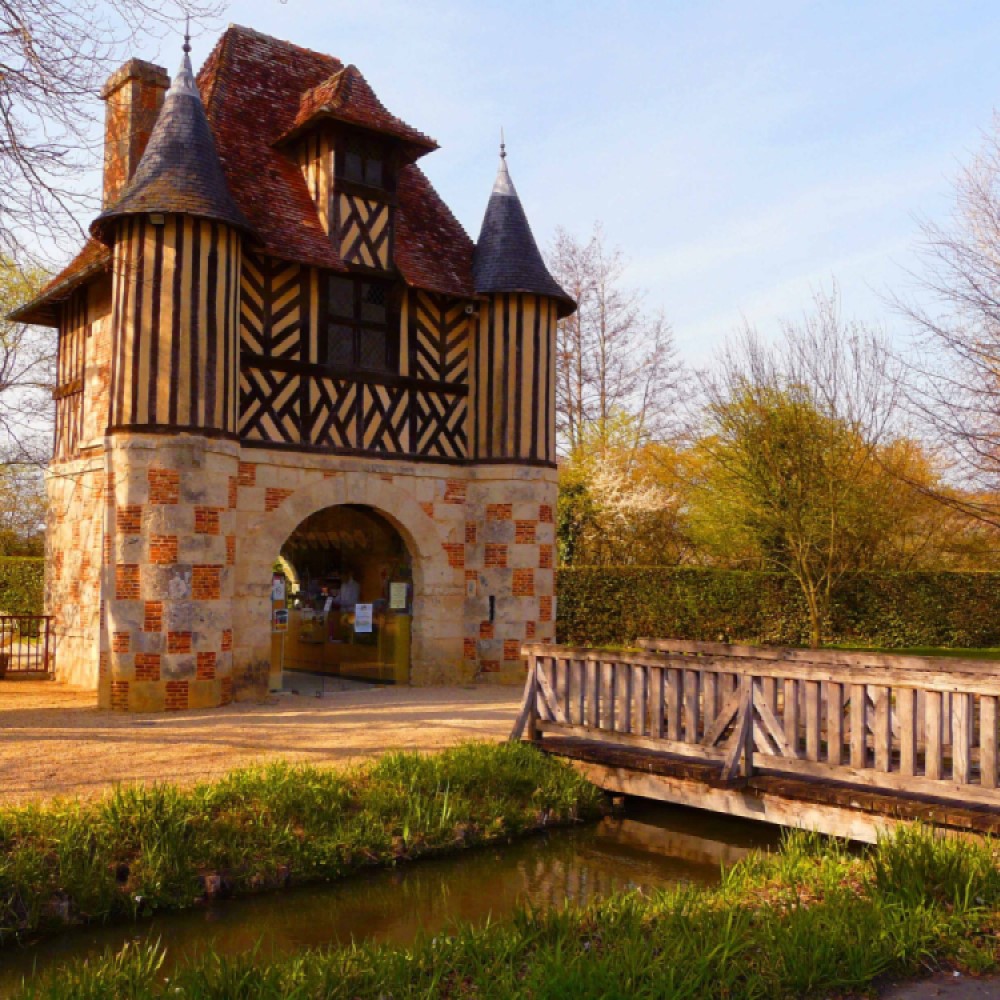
(206, 667)
(456, 554)
(227, 640)
(164, 486)
(454, 491)
(230, 550)
(147, 666)
(177, 696)
(545, 609)
(104, 664)
(275, 497)
(163, 550)
(121, 642)
(545, 513)
(499, 512)
(226, 690)
(489, 666)
(119, 695)
(128, 519)
(469, 648)
(523, 584)
(206, 520)
(206, 583)
(234, 485)
(530, 630)
(486, 630)
(248, 474)
(511, 649)
(524, 532)
(127, 582)
(545, 557)
(153, 616)
(178, 642)
(496, 556)
(428, 508)
(470, 532)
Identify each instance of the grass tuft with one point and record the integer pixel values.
(813, 919)
(143, 849)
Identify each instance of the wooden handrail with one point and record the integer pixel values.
(890, 724)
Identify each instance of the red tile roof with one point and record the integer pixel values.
(257, 90)
(43, 308)
(346, 96)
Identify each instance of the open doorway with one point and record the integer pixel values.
(342, 597)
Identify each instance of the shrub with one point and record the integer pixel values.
(22, 585)
(604, 606)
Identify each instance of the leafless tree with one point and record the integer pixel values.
(27, 376)
(613, 357)
(954, 369)
(54, 55)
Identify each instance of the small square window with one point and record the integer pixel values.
(373, 302)
(373, 344)
(340, 345)
(342, 297)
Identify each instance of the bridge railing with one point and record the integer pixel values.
(918, 725)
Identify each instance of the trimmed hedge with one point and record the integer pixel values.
(599, 606)
(22, 585)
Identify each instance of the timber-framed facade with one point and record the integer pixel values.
(277, 316)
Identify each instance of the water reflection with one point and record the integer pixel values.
(649, 847)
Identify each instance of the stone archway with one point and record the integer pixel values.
(437, 593)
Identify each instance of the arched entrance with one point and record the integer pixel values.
(342, 597)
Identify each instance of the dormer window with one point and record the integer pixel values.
(364, 161)
(362, 331)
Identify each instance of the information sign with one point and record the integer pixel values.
(362, 617)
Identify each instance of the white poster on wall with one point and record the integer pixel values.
(362, 617)
(397, 596)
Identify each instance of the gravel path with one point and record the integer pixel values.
(53, 741)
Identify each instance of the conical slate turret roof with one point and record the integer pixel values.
(506, 257)
(180, 170)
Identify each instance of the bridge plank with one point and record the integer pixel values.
(905, 709)
(962, 737)
(683, 750)
(881, 728)
(834, 722)
(932, 754)
(859, 727)
(812, 693)
(988, 742)
(674, 704)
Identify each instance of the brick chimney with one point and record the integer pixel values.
(134, 96)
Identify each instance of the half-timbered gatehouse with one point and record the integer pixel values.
(302, 420)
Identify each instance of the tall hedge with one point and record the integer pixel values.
(22, 585)
(598, 606)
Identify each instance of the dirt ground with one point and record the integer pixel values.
(54, 741)
(945, 986)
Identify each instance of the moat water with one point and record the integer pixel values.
(649, 846)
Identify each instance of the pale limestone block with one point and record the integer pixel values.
(177, 667)
(522, 556)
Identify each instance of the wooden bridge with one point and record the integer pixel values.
(846, 743)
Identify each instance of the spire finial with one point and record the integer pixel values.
(183, 82)
(503, 145)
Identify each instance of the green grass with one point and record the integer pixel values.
(143, 849)
(810, 920)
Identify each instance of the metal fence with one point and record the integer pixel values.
(26, 646)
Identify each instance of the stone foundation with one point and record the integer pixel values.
(190, 527)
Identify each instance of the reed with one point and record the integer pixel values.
(813, 919)
(143, 849)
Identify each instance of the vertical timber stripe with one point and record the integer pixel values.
(513, 398)
(70, 361)
(315, 157)
(175, 312)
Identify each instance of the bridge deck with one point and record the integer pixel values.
(846, 744)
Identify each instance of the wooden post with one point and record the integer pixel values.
(531, 728)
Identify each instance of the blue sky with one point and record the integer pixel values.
(741, 154)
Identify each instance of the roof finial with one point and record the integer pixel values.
(183, 82)
(503, 145)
